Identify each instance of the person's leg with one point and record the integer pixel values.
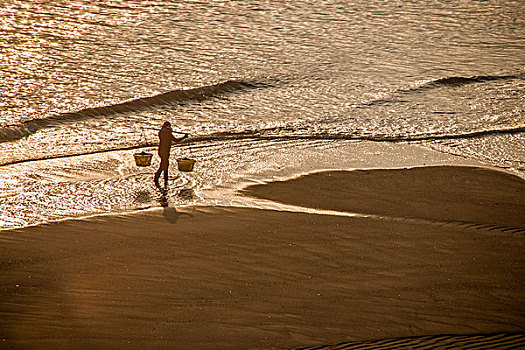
(156, 178)
(162, 167)
(166, 177)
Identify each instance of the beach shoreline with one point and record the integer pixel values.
(208, 277)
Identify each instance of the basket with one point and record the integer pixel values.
(185, 164)
(143, 158)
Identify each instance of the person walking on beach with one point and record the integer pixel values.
(165, 140)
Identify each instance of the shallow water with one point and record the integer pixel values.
(248, 80)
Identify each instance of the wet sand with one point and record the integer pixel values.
(440, 253)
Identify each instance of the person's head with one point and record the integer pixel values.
(166, 125)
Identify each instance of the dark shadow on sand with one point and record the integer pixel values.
(170, 213)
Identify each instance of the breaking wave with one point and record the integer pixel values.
(457, 81)
(17, 131)
(439, 83)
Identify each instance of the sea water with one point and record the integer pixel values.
(258, 85)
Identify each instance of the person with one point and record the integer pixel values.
(165, 140)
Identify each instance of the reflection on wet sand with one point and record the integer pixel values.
(186, 194)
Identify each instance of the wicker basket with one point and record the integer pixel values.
(143, 158)
(185, 164)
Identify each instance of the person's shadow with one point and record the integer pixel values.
(170, 213)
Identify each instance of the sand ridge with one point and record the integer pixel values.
(461, 194)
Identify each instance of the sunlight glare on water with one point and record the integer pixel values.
(83, 77)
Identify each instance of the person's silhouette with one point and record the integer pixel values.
(166, 138)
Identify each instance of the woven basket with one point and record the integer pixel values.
(185, 164)
(143, 159)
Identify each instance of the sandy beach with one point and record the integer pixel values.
(358, 177)
(437, 251)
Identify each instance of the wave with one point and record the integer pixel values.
(15, 132)
(453, 81)
(279, 133)
(287, 134)
(457, 81)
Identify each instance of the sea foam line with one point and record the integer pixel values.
(272, 134)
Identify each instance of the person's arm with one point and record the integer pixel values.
(180, 138)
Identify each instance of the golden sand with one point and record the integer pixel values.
(442, 253)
